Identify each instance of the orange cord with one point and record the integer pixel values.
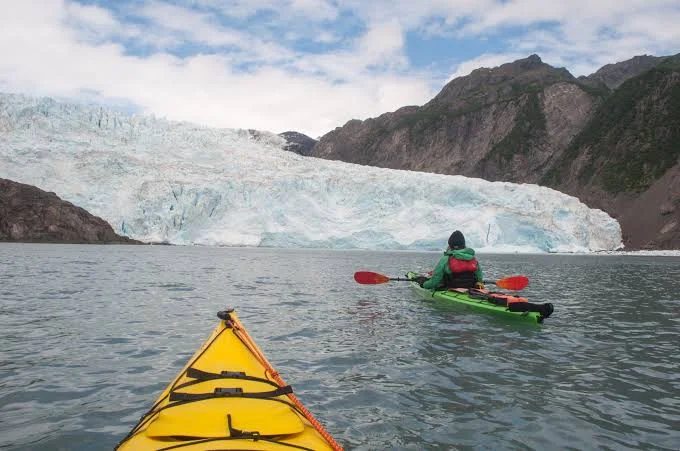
(243, 334)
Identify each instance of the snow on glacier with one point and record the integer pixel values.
(161, 181)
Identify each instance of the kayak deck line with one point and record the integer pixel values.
(207, 406)
(248, 341)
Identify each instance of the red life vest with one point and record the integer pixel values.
(458, 266)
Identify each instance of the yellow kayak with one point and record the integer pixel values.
(228, 396)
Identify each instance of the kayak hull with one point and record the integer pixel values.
(228, 396)
(479, 304)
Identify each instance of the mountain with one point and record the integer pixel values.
(625, 160)
(613, 75)
(29, 214)
(528, 122)
(497, 124)
(161, 181)
(299, 143)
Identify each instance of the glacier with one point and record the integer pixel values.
(174, 182)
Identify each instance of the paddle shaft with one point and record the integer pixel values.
(400, 279)
(373, 278)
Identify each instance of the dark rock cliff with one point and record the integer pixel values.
(298, 143)
(29, 214)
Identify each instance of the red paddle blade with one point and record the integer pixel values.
(370, 278)
(513, 282)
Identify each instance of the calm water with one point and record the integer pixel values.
(89, 336)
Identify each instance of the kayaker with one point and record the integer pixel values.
(457, 268)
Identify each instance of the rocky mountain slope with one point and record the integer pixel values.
(497, 124)
(625, 159)
(529, 122)
(29, 214)
(298, 142)
(613, 75)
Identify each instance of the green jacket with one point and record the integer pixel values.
(442, 268)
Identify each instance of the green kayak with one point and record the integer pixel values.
(500, 304)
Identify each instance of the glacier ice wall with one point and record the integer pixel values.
(161, 181)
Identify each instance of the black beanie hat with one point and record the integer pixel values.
(456, 240)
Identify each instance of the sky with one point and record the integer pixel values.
(303, 65)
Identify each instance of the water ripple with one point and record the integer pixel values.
(90, 335)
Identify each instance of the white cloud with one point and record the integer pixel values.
(419, 15)
(315, 9)
(202, 63)
(311, 9)
(201, 28)
(325, 37)
(237, 8)
(201, 88)
(193, 26)
(660, 28)
(93, 16)
(580, 35)
(382, 43)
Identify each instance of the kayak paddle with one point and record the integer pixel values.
(373, 278)
(511, 282)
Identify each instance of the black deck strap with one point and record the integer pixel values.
(195, 373)
(526, 307)
(199, 376)
(474, 294)
(230, 393)
(236, 391)
(275, 443)
(239, 433)
(496, 300)
(206, 376)
(522, 307)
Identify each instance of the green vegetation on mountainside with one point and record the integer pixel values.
(532, 118)
(529, 126)
(633, 137)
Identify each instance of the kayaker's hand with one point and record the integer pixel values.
(479, 285)
(420, 280)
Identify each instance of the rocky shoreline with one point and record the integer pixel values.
(31, 215)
